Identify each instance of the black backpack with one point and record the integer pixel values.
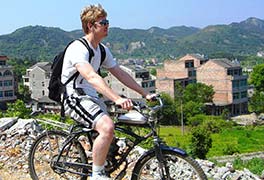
(56, 87)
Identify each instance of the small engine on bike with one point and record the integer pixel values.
(117, 149)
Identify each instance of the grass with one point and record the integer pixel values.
(244, 139)
(174, 136)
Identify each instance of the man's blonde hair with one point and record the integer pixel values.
(91, 14)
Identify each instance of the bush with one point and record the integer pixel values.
(230, 149)
(201, 142)
(18, 109)
(214, 124)
(255, 165)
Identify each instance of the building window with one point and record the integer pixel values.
(8, 83)
(43, 93)
(7, 73)
(43, 84)
(152, 84)
(192, 73)
(144, 84)
(189, 64)
(234, 72)
(2, 63)
(8, 93)
(1, 94)
(230, 72)
(243, 83)
(235, 95)
(244, 94)
(191, 81)
(235, 84)
(1, 83)
(143, 75)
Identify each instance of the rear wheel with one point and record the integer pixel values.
(180, 167)
(43, 156)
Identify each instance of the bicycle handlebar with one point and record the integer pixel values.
(138, 107)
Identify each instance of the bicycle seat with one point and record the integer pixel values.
(132, 117)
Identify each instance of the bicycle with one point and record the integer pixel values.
(60, 154)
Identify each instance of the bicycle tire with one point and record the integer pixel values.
(43, 152)
(180, 167)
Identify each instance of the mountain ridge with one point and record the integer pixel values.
(238, 38)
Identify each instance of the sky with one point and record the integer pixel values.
(127, 14)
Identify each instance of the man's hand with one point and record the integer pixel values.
(151, 97)
(124, 103)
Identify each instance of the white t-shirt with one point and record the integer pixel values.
(78, 53)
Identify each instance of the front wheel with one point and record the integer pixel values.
(179, 166)
(44, 153)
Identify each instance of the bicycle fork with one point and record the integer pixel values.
(164, 170)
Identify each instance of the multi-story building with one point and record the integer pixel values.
(182, 71)
(7, 83)
(37, 79)
(229, 84)
(141, 76)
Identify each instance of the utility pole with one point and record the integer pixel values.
(182, 125)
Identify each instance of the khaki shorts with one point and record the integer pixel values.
(84, 109)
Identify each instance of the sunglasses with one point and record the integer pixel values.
(104, 22)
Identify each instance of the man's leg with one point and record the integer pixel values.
(105, 128)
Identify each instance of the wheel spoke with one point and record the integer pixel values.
(44, 155)
(179, 167)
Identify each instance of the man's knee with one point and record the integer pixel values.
(105, 126)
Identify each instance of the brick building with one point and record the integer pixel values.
(182, 71)
(229, 84)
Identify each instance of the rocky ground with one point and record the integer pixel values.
(16, 136)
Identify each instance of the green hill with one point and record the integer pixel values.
(42, 43)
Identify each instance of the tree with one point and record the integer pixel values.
(18, 109)
(195, 96)
(198, 92)
(153, 71)
(168, 112)
(24, 93)
(256, 103)
(201, 142)
(257, 77)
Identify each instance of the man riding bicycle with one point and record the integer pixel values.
(82, 102)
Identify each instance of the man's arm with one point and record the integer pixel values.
(127, 80)
(87, 71)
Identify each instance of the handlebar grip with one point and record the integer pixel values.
(155, 98)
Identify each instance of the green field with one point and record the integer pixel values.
(242, 139)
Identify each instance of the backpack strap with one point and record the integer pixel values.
(85, 43)
(103, 55)
(76, 74)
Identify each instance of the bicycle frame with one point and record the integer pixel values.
(119, 127)
(60, 164)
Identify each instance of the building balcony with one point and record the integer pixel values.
(11, 98)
